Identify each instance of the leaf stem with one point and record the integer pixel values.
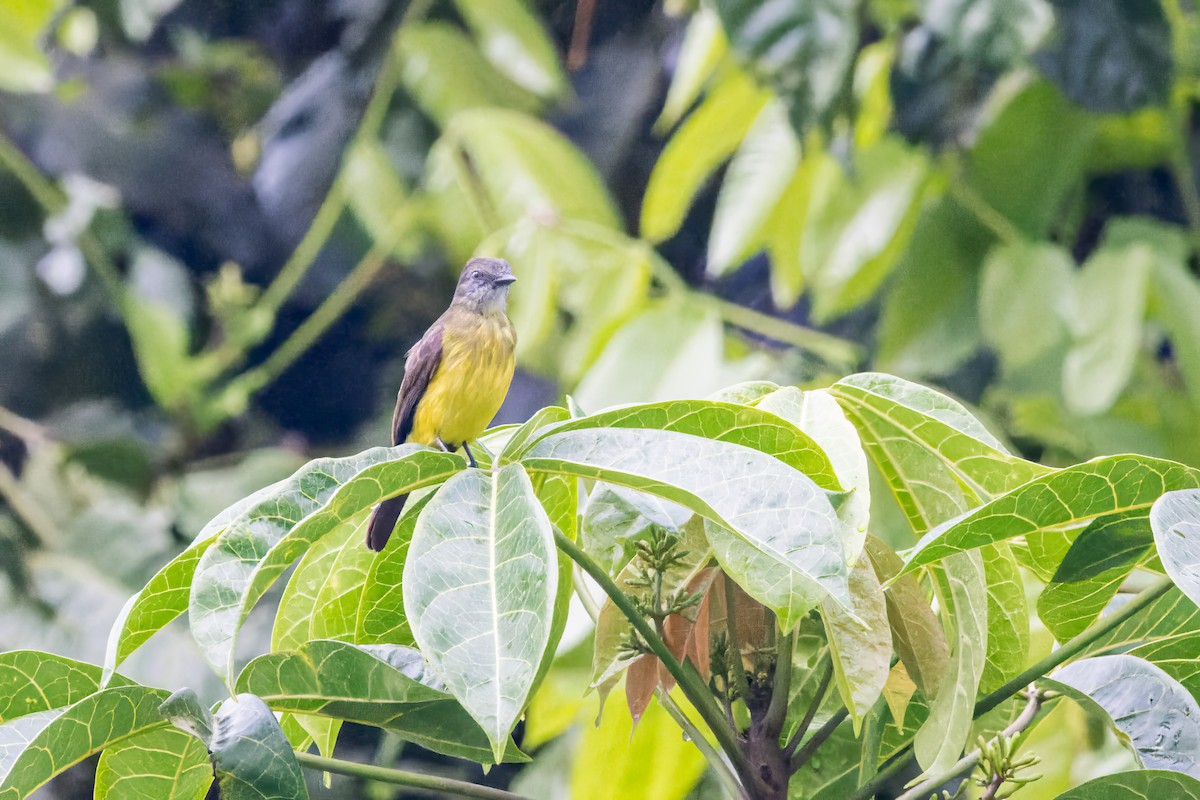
(831, 348)
(41, 530)
(993, 220)
(585, 597)
(428, 784)
(735, 643)
(965, 764)
(904, 758)
(822, 687)
(689, 680)
(817, 739)
(719, 764)
(781, 685)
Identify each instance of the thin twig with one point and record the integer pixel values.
(817, 739)
(416, 781)
(822, 687)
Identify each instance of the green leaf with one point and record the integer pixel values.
(818, 415)
(1007, 616)
(853, 240)
(775, 531)
(515, 43)
(616, 761)
(1106, 326)
(1155, 716)
(254, 550)
(493, 167)
(1137, 785)
(939, 741)
(1175, 518)
(860, 646)
(36, 747)
(385, 686)
(1088, 577)
(479, 589)
(1068, 498)
(162, 764)
(1176, 656)
(615, 519)
(764, 430)
(252, 758)
(918, 636)
(374, 190)
(381, 616)
(704, 46)
(757, 178)
(674, 348)
(184, 710)
(529, 430)
(1171, 615)
(445, 73)
(1110, 56)
(31, 681)
(703, 142)
(23, 65)
(1021, 297)
(992, 32)
(803, 51)
(938, 460)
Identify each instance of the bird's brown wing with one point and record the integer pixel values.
(422, 363)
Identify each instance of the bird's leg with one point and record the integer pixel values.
(470, 457)
(445, 447)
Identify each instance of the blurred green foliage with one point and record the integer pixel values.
(220, 228)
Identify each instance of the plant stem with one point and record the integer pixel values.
(24, 429)
(689, 681)
(993, 220)
(829, 347)
(822, 687)
(817, 739)
(735, 643)
(904, 758)
(781, 685)
(41, 531)
(585, 597)
(428, 784)
(719, 764)
(927, 787)
(1073, 647)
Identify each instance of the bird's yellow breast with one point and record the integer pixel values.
(470, 382)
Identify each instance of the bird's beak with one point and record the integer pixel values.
(506, 280)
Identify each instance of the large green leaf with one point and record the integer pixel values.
(1175, 518)
(760, 429)
(703, 49)
(1007, 616)
(1156, 716)
(774, 531)
(31, 681)
(938, 459)
(479, 588)
(615, 519)
(515, 43)
(1099, 559)
(756, 180)
(1171, 615)
(1176, 656)
(165, 596)
(852, 240)
(1110, 56)
(991, 32)
(252, 758)
(703, 142)
(385, 686)
(860, 646)
(36, 747)
(940, 740)
(381, 618)
(255, 549)
(1068, 498)
(1137, 785)
(1021, 296)
(160, 764)
(918, 636)
(819, 416)
(803, 51)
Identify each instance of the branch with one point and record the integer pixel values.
(822, 687)
(689, 681)
(735, 644)
(904, 759)
(817, 739)
(426, 784)
(929, 786)
(780, 686)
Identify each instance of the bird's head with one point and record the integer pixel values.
(483, 285)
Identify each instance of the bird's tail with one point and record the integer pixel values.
(383, 520)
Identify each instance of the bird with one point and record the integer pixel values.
(455, 377)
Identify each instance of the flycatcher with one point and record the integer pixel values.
(455, 377)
